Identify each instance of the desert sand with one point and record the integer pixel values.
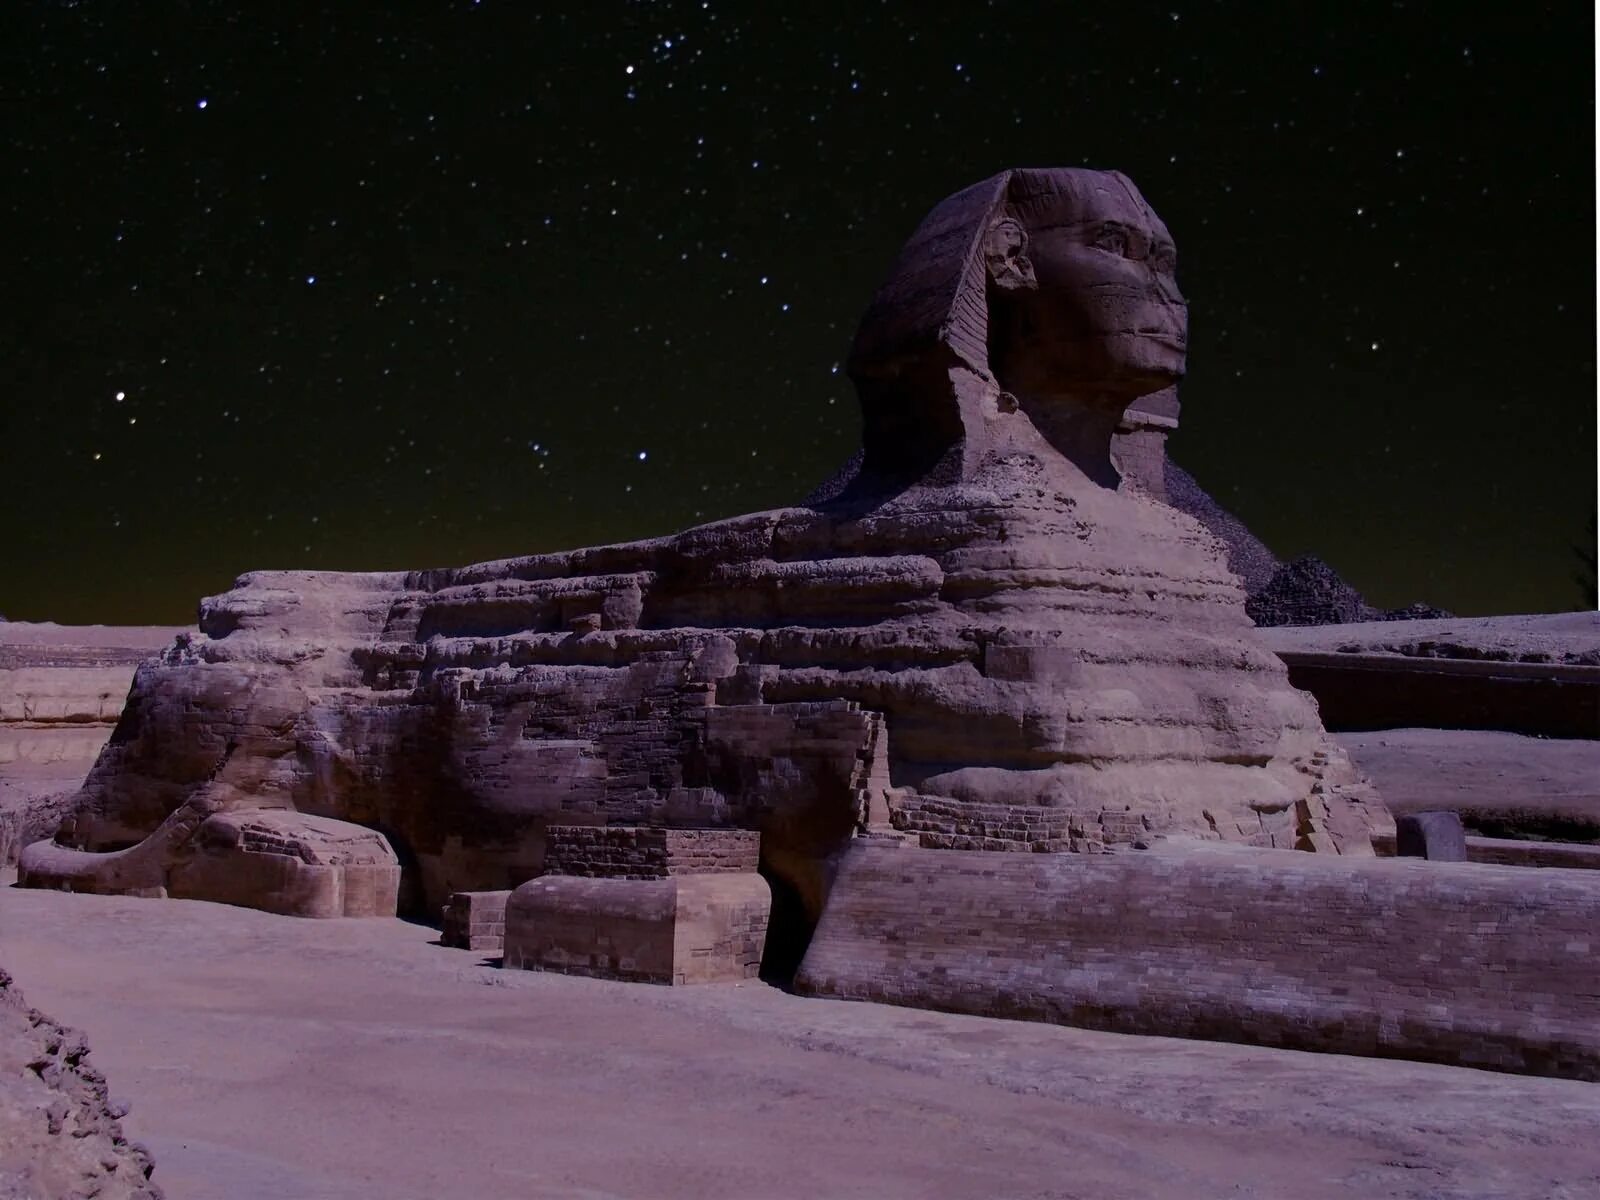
(330, 1060)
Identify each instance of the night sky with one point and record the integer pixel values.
(351, 288)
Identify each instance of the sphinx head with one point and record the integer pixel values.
(1055, 286)
(1082, 300)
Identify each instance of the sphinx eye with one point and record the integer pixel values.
(1112, 240)
(1164, 259)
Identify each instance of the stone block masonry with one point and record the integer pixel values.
(475, 921)
(637, 852)
(1462, 963)
(653, 905)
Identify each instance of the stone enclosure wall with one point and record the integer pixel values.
(1477, 965)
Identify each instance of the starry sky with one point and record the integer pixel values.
(363, 286)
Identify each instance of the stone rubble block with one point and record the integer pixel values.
(475, 921)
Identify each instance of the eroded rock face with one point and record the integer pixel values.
(982, 638)
(60, 1133)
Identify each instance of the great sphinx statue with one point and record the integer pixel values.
(980, 635)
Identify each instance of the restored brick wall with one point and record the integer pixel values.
(1453, 962)
(639, 852)
(942, 824)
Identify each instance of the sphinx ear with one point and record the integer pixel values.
(1005, 254)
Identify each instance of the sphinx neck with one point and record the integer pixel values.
(1080, 429)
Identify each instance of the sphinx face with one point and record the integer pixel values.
(1094, 310)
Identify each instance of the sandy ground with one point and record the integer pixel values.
(329, 1060)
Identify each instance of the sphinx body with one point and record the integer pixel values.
(981, 638)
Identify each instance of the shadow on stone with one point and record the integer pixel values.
(789, 933)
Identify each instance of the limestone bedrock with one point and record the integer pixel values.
(979, 636)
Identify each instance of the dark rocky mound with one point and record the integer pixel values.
(60, 1136)
(1248, 556)
(1306, 591)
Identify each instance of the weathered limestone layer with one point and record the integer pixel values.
(1486, 966)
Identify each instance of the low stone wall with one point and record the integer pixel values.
(1579, 856)
(1482, 966)
(1570, 855)
(1515, 852)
